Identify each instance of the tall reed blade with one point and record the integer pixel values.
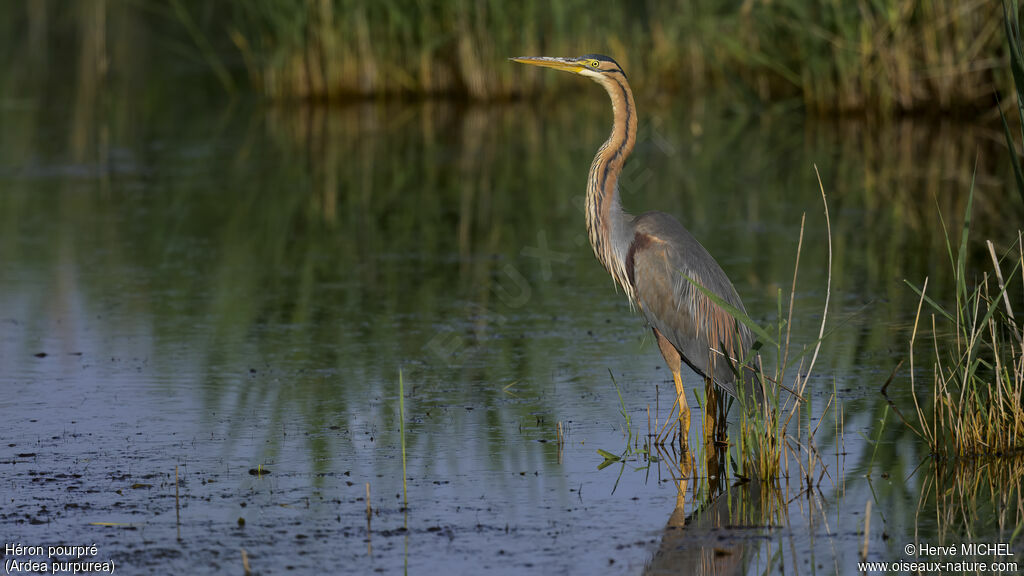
(1011, 21)
(401, 428)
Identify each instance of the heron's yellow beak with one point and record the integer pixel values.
(565, 64)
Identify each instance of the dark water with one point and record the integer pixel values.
(231, 290)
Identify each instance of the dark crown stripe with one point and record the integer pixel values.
(602, 58)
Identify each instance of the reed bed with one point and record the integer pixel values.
(975, 403)
(836, 57)
(765, 442)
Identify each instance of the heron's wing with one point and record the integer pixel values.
(662, 256)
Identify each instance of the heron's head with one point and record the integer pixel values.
(596, 66)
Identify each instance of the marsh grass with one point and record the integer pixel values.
(1011, 21)
(834, 56)
(977, 348)
(635, 453)
(768, 403)
(766, 443)
(867, 532)
(975, 405)
(401, 429)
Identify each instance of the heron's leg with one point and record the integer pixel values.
(714, 459)
(714, 413)
(684, 409)
(685, 471)
(710, 403)
(686, 466)
(674, 360)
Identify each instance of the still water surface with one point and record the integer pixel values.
(232, 292)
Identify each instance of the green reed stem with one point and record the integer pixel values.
(401, 428)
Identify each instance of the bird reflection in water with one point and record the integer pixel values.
(722, 531)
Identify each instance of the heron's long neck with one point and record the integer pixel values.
(610, 228)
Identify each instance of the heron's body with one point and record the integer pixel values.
(651, 255)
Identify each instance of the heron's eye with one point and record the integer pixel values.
(594, 64)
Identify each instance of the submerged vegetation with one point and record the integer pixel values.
(833, 56)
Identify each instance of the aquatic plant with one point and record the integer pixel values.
(833, 56)
(976, 403)
(1011, 20)
(401, 430)
(764, 437)
(634, 451)
(764, 442)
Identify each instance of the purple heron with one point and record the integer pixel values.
(651, 255)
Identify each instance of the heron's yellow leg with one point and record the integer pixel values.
(686, 466)
(710, 409)
(685, 471)
(684, 409)
(714, 460)
(674, 361)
